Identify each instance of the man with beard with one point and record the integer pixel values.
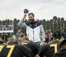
(34, 29)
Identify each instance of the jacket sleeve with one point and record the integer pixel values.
(22, 24)
(42, 33)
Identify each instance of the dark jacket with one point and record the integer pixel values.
(60, 53)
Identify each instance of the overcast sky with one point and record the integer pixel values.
(43, 9)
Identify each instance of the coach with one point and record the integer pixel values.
(34, 29)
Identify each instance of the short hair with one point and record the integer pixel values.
(31, 14)
(25, 37)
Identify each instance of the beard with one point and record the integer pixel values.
(31, 20)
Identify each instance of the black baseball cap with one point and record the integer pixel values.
(26, 11)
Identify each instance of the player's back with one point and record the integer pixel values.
(13, 51)
(32, 46)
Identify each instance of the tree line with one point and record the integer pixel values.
(52, 25)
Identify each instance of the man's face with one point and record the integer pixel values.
(31, 17)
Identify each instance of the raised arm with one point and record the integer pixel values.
(22, 23)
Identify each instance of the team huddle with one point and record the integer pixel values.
(33, 43)
(26, 49)
(29, 49)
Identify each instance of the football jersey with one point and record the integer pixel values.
(32, 46)
(14, 51)
(48, 50)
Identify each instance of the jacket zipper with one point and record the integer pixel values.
(33, 34)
